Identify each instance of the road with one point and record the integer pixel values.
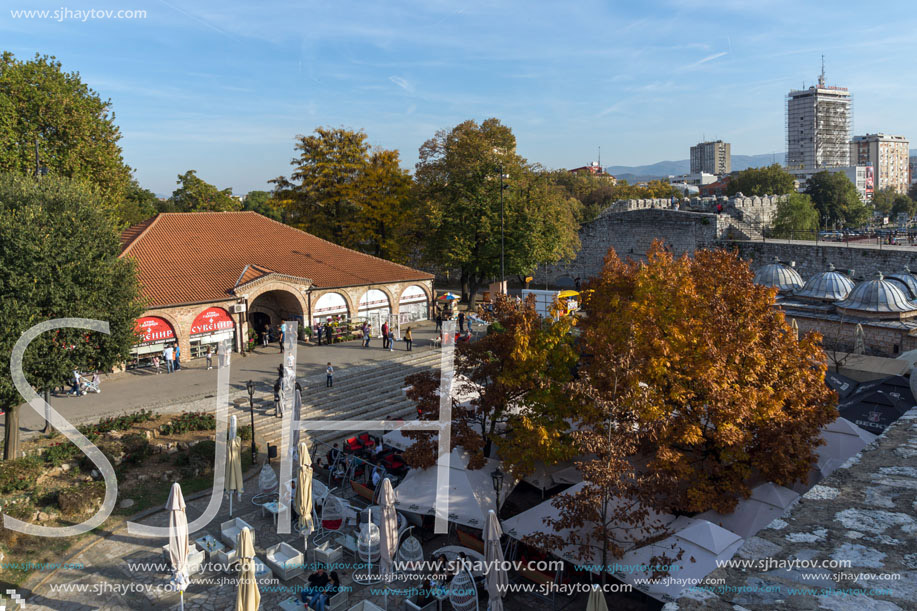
(143, 389)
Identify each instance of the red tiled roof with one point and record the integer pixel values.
(200, 256)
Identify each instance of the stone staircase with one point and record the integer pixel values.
(368, 392)
(737, 229)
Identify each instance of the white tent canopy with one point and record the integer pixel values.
(702, 543)
(843, 439)
(701, 540)
(533, 521)
(471, 493)
(766, 503)
(545, 477)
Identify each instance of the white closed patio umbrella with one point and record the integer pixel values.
(388, 535)
(304, 494)
(248, 597)
(596, 600)
(497, 579)
(178, 540)
(233, 463)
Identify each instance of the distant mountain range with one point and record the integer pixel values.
(664, 169)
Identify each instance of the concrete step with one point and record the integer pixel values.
(371, 392)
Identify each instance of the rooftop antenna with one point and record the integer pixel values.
(821, 77)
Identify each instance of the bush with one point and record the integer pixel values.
(80, 499)
(119, 423)
(20, 473)
(136, 449)
(191, 421)
(61, 452)
(245, 432)
(20, 511)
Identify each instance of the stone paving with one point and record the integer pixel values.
(129, 572)
(142, 389)
(865, 512)
(123, 571)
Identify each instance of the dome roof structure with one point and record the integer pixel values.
(905, 281)
(878, 298)
(777, 275)
(831, 285)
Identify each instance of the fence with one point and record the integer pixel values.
(877, 238)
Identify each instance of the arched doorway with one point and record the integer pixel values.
(374, 308)
(330, 305)
(413, 305)
(270, 309)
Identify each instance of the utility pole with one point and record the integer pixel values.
(502, 254)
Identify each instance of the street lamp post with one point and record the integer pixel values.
(250, 386)
(502, 249)
(497, 478)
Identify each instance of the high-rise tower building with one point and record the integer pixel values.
(888, 155)
(818, 126)
(711, 157)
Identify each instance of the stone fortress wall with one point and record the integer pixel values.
(630, 226)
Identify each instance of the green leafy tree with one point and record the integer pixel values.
(320, 196)
(138, 204)
(902, 204)
(796, 218)
(73, 127)
(459, 189)
(196, 195)
(836, 199)
(883, 200)
(60, 258)
(772, 180)
(596, 193)
(262, 203)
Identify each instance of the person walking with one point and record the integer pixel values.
(177, 357)
(385, 335)
(366, 334)
(283, 331)
(328, 331)
(439, 322)
(167, 357)
(318, 334)
(391, 340)
(266, 335)
(329, 376)
(156, 364)
(209, 357)
(408, 339)
(461, 322)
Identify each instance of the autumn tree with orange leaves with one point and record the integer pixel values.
(519, 370)
(694, 390)
(731, 396)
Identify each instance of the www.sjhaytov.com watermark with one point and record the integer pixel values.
(67, 14)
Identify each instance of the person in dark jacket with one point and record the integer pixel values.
(328, 332)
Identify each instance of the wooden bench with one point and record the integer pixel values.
(364, 491)
(470, 541)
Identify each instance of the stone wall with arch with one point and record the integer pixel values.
(316, 297)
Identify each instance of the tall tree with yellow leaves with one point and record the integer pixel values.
(518, 370)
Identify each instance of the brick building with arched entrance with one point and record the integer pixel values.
(207, 276)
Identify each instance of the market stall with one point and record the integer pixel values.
(210, 327)
(155, 333)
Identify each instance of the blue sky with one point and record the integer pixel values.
(224, 87)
